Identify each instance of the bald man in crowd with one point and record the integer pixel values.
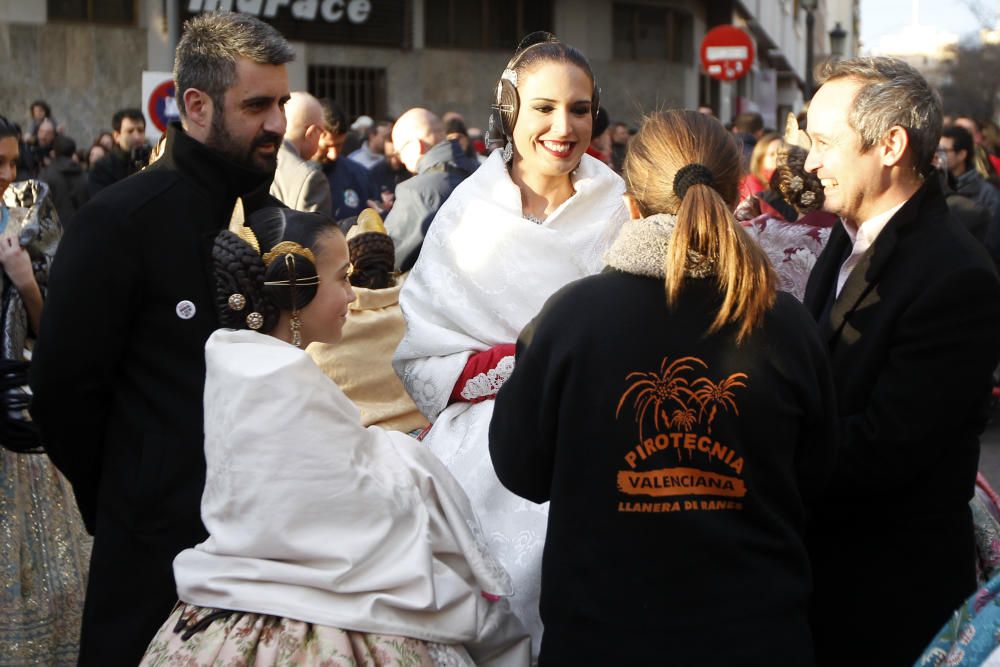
(298, 183)
(438, 165)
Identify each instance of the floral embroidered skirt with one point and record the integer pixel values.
(44, 556)
(198, 637)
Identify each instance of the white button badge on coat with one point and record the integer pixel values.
(185, 309)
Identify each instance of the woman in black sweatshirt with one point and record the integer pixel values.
(677, 412)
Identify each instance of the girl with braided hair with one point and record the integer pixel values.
(361, 363)
(329, 543)
(791, 225)
(674, 410)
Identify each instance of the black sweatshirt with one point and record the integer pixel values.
(677, 465)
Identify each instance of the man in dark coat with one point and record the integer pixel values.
(129, 154)
(956, 153)
(964, 210)
(909, 306)
(119, 369)
(66, 178)
(438, 165)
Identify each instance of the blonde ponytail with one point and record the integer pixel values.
(743, 273)
(669, 148)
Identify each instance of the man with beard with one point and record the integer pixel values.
(119, 368)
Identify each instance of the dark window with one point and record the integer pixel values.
(483, 24)
(648, 32)
(100, 11)
(358, 90)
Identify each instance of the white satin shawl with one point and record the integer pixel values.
(484, 272)
(313, 517)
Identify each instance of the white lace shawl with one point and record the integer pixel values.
(313, 517)
(484, 272)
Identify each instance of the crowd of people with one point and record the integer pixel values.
(286, 389)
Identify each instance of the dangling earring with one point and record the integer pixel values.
(508, 152)
(296, 324)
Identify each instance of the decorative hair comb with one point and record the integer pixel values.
(370, 221)
(248, 237)
(795, 136)
(286, 248)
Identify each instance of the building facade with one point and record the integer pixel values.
(381, 57)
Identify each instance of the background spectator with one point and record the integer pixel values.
(66, 178)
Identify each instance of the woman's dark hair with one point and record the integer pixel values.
(800, 188)
(45, 107)
(240, 268)
(373, 256)
(550, 49)
(9, 129)
(601, 122)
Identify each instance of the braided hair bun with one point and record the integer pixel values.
(266, 288)
(240, 270)
(800, 188)
(373, 256)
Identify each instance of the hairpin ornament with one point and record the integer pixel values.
(288, 247)
(248, 237)
(237, 301)
(794, 136)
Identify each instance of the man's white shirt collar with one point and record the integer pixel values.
(862, 238)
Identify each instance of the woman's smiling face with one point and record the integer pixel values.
(554, 120)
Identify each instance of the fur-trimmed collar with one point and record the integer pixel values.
(641, 248)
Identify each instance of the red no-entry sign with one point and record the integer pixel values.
(726, 53)
(162, 107)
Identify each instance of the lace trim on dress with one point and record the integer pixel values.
(488, 383)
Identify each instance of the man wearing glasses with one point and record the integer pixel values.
(956, 154)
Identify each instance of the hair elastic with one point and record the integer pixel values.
(692, 174)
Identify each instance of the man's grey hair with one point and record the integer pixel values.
(892, 93)
(206, 54)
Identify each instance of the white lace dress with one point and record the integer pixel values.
(484, 272)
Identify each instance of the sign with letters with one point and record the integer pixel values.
(726, 53)
(353, 22)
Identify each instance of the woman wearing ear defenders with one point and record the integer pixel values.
(537, 215)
